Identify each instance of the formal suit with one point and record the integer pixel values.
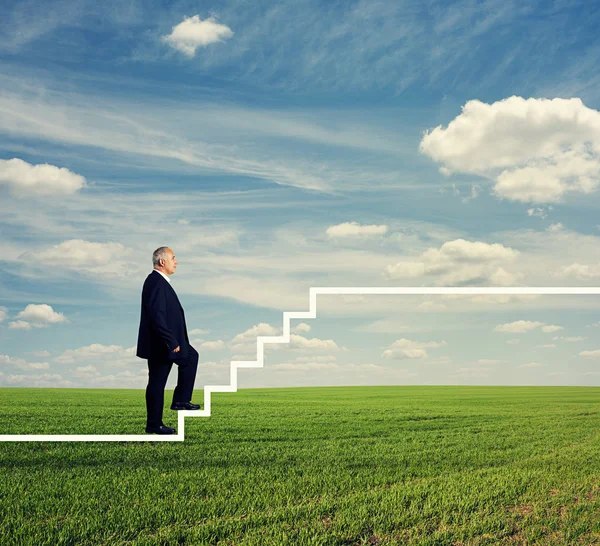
(163, 329)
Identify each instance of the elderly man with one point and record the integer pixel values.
(163, 339)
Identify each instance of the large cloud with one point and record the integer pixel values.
(536, 149)
(25, 180)
(459, 262)
(193, 32)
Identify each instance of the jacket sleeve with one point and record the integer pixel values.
(157, 308)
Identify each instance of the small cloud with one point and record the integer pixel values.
(22, 364)
(546, 346)
(518, 327)
(579, 271)
(407, 349)
(553, 228)
(300, 342)
(551, 328)
(26, 180)
(115, 354)
(3, 313)
(512, 341)
(570, 339)
(194, 32)
(39, 353)
(213, 345)
(540, 212)
(531, 365)
(39, 316)
(354, 229)
(19, 325)
(590, 354)
(261, 329)
(198, 332)
(86, 372)
(301, 328)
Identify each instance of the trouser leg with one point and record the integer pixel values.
(158, 373)
(186, 377)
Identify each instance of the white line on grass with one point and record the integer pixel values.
(285, 338)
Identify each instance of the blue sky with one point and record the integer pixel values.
(279, 146)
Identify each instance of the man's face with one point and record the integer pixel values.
(170, 263)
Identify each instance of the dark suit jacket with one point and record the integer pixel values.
(162, 321)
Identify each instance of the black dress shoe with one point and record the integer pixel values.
(184, 406)
(163, 429)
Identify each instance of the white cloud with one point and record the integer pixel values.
(531, 365)
(317, 358)
(19, 325)
(86, 372)
(547, 346)
(40, 353)
(354, 229)
(102, 259)
(26, 180)
(590, 354)
(3, 313)
(513, 341)
(112, 355)
(541, 212)
(40, 316)
(459, 261)
(261, 329)
(551, 328)
(518, 327)
(300, 342)
(194, 32)
(579, 271)
(570, 339)
(407, 349)
(213, 345)
(301, 328)
(198, 332)
(22, 364)
(47, 380)
(536, 149)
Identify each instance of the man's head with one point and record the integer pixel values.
(164, 260)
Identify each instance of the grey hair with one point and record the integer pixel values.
(159, 254)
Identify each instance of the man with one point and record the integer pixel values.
(163, 339)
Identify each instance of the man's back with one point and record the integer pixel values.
(162, 321)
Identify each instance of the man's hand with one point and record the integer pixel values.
(176, 350)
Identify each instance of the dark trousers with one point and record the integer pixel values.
(158, 373)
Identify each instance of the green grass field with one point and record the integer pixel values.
(330, 465)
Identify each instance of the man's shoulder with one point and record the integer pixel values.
(152, 279)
